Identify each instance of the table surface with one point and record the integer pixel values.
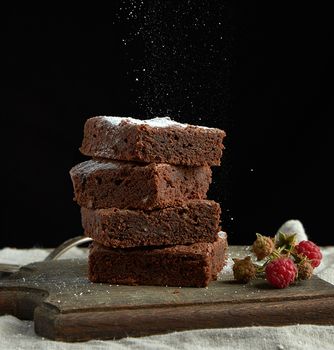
(16, 334)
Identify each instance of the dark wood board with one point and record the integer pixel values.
(66, 306)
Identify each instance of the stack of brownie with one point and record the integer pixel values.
(143, 201)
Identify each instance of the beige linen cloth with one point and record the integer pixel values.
(17, 334)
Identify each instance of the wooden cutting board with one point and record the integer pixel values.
(66, 306)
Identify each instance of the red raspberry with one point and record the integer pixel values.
(281, 272)
(311, 251)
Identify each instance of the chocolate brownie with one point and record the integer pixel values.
(193, 221)
(158, 140)
(99, 184)
(180, 266)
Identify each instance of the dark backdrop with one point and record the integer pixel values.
(261, 72)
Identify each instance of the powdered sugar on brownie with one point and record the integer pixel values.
(222, 234)
(157, 140)
(154, 123)
(93, 165)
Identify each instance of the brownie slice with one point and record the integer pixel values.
(181, 265)
(158, 140)
(100, 184)
(191, 222)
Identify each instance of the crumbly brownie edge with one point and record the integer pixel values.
(190, 145)
(102, 184)
(169, 266)
(192, 221)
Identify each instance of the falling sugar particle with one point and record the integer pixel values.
(169, 42)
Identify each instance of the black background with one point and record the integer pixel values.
(261, 72)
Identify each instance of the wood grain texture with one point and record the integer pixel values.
(66, 306)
